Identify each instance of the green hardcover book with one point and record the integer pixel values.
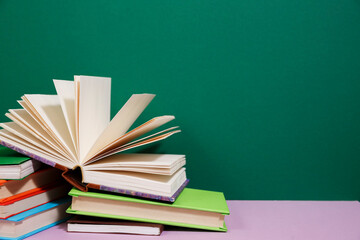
(16, 166)
(10, 157)
(193, 208)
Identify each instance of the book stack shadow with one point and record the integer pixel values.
(112, 191)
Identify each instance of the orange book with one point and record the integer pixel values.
(9, 189)
(35, 197)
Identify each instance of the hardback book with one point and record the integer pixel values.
(33, 198)
(9, 189)
(37, 219)
(72, 131)
(89, 224)
(16, 166)
(193, 208)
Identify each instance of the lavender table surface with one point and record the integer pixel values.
(253, 220)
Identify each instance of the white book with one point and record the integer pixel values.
(19, 171)
(89, 224)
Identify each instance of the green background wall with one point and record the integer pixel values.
(266, 92)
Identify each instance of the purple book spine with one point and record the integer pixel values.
(147, 195)
(104, 188)
(26, 153)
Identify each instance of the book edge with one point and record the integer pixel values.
(220, 229)
(33, 156)
(141, 194)
(37, 230)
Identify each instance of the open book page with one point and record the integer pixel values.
(20, 144)
(122, 121)
(133, 134)
(48, 110)
(141, 182)
(20, 132)
(13, 137)
(93, 110)
(164, 164)
(66, 92)
(159, 136)
(23, 119)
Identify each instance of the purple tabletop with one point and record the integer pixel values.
(253, 220)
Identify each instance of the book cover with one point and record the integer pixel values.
(35, 197)
(10, 189)
(11, 157)
(16, 166)
(42, 217)
(191, 199)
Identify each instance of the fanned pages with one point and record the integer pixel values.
(93, 102)
(122, 121)
(65, 90)
(24, 120)
(72, 131)
(48, 110)
(20, 132)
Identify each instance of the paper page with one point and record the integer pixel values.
(133, 144)
(35, 117)
(135, 133)
(20, 132)
(163, 164)
(122, 121)
(50, 114)
(150, 170)
(93, 100)
(66, 92)
(13, 137)
(23, 119)
(67, 164)
(139, 159)
(133, 179)
(157, 134)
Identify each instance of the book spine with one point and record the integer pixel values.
(177, 193)
(141, 194)
(33, 156)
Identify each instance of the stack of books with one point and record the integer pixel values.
(32, 196)
(72, 131)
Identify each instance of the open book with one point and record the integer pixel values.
(72, 131)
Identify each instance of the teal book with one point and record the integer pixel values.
(16, 166)
(193, 208)
(32, 221)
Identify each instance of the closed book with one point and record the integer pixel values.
(80, 223)
(193, 208)
(9, 189)
(33, 198)
(16, 166)
(73, 131)
(37, 219)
